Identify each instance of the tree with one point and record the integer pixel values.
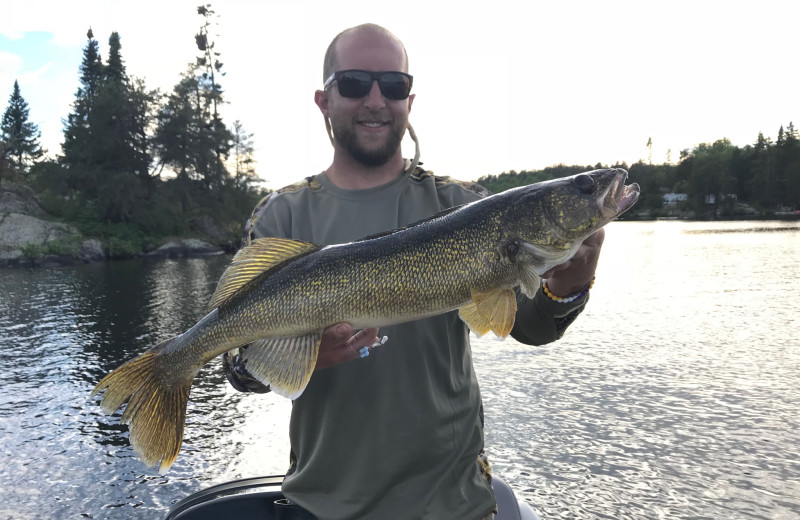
(244, 172)
(19, 136)
(121, 111)
(788, 166)
(79, 137)
(106, 150)
(711, 180)
(191, 137)
(209, 61)
(762, 172)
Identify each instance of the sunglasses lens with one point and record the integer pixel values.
(395, 86)
(357, 84)
(354, 84)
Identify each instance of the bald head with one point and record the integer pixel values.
(331, 64)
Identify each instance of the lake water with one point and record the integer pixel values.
(675, 395)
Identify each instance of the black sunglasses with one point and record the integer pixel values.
(357, 83)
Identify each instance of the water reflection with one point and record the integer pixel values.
(61, 331)
(674, 395)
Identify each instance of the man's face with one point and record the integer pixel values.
(371, 128)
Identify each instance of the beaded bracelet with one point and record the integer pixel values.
(580, 294)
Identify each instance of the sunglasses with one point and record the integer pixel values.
(357, 83)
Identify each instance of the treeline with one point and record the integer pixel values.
(719, 179)
(137, 164)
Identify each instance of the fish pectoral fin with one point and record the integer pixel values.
(285, 364)
(529, 279)
(476, 322)
(493, 310)
(257, 258)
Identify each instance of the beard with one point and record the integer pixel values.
(344, 133)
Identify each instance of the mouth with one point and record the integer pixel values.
(373, 123)
(618, 198)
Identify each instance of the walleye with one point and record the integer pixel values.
(279, 294)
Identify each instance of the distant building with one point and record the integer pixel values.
(673, 198)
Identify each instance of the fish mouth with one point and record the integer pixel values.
(618, 197)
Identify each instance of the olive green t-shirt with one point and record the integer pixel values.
(396, 435)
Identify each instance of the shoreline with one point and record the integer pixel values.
(196, 248)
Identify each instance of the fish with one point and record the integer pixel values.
(279, 294)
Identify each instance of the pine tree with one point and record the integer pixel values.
(79, 154)
(120, 113)
(106, 146)
(762, 179)
(19, 136)
(788, 168)
(243, 156)
(191, 137)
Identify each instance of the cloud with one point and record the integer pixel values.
(10, 64)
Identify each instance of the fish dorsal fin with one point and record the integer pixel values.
(493, 310)
(259, 257)
(285, 364)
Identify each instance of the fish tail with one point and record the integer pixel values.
(156, 409)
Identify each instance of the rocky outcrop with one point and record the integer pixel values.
(28, 238)
(216, 231)
(18, 198)
(187, 247)
(24, 238)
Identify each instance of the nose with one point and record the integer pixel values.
(375, 97)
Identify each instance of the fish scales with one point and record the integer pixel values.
(279, 294)
(383, 278)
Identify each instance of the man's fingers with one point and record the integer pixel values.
(336, 334)
(571, 276)
(339, 344)
(362, 338)
(358, 346)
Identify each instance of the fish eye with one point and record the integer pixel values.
(585, 183)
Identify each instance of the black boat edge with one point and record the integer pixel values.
(254, 498)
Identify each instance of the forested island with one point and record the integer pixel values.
(138, 167)
(711, 181)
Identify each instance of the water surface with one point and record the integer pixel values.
(673, 396)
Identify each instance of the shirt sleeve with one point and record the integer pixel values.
(541, 320)
(270, 218)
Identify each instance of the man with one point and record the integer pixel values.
(397, 434)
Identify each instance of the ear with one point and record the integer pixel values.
(411, 101)
(321, 99)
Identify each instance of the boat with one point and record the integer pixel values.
(261, 498)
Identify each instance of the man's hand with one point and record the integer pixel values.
(339, 344)
(570, 277)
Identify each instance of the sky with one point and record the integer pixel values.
(501, 85)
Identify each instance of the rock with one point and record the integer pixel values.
(196, 247)
(23, 236)
(189, 247)
(27, 239)
(18, 198)
(214, 230)
(91, 250)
